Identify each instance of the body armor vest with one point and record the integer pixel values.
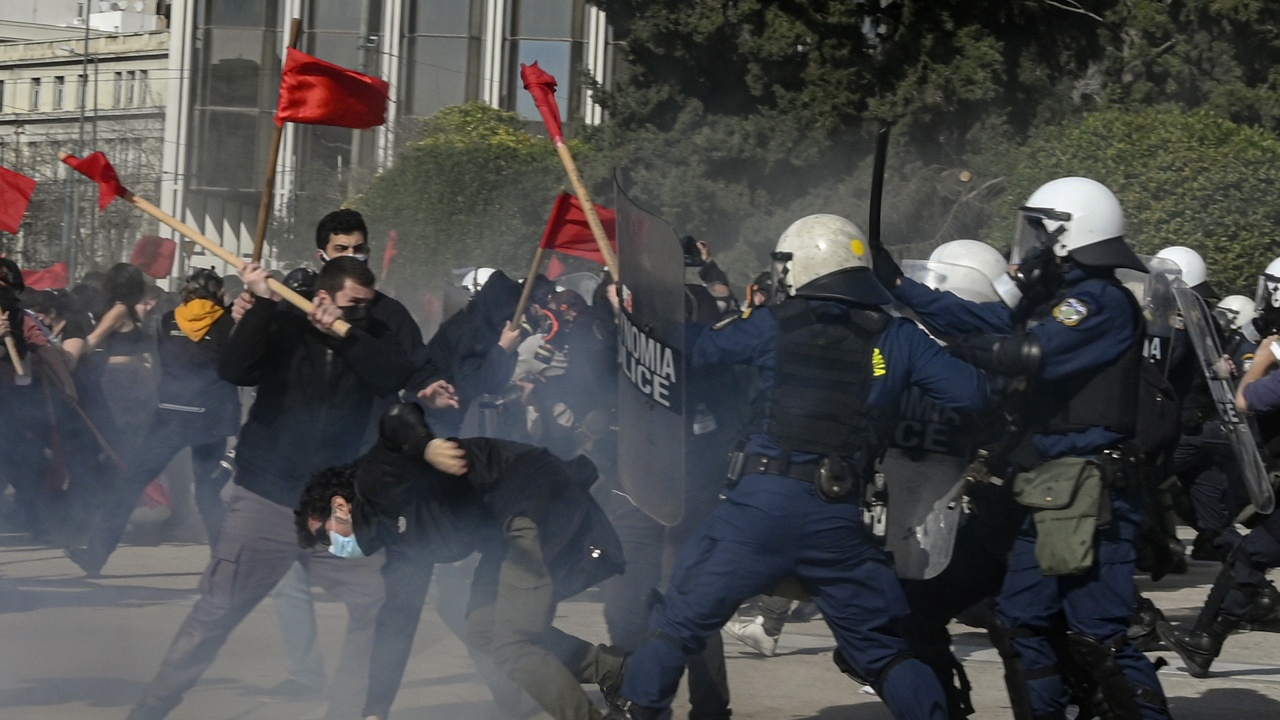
(1105, 397)
(823, 365)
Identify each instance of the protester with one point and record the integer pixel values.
(197, 410)
(315, 394)
(541, 536)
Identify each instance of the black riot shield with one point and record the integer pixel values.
(1199, 328)
(651, 387)
(923, 472)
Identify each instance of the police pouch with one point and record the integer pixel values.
(834, 480)
(1066, 495)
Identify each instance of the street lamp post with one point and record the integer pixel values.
(93, 218)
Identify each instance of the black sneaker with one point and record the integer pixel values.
(85, 559)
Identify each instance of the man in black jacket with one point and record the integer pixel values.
(315, 394)
(541, 536)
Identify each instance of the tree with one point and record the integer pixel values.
(1192, 179)
(476, 189)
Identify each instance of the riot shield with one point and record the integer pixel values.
(1154, 292)
(964, 282)
(923, 471)
(1200, 330)
(651, 387)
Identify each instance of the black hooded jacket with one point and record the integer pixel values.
(465, 352)
(442, 518)
(316, 394)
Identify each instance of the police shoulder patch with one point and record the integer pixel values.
(1070, 312)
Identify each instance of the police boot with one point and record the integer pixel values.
(1142, 626)
(1198, 649)
(1264, 611)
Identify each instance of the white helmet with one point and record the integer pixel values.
(475, 279)
(1268, 295)
(826, 256)
(1194, 272)
(1237, 313)
(1078, 218)
(972, 254)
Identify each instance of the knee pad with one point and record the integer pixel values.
(1114, 696)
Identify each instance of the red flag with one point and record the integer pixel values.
(568, 232)
(15, 196)
(97, 168)
(542, 86)
(555, 268)
(315, 92)
(154, 255)
(53, 277)
(390, 253)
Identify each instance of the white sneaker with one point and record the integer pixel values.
(751, 633)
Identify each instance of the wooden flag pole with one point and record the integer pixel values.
(341, 327)
(273, 157)
(527, 290)
(589, 208)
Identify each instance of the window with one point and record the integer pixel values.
(117, 91)
(443, 58)
(130, 87)
(59, 89)
(35, 94)
(84, 91)
(548, 32)
(3, 109)
(143, 88)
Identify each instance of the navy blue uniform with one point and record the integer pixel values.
(773, 527)
(1089, 330)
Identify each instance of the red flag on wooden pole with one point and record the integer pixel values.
(542, 86)
(154, 255)
(569, 232)
(316, 92)
(53, 277)
(15, 196)
(97, 168)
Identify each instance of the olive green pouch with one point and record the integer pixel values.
(1066, 495)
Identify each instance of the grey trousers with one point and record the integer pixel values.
(512, 607)
(256, 549)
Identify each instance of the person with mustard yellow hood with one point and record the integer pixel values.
(197, 409)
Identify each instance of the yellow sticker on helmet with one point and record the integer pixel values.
(857, 247)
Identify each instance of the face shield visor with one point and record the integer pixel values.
(1268, 294)
(1038, 230)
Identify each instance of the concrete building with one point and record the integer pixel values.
(184, 107)
(434, 53)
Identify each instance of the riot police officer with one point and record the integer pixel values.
(1075, 335)
(832, 364)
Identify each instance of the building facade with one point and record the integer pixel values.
(434, 53)
(52, 99)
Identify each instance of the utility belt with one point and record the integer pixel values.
(832, 476)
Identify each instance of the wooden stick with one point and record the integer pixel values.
(527, 290)
(13, 354)
(273, 157)
(102, 442)
(588, 207)
(340, 327)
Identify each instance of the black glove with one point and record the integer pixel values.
(401, 425)
(885, 268)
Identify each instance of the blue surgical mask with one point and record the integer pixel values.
(344, 546)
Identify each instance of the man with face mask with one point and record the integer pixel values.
(316, 392)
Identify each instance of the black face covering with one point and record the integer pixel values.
(357, 315)
(1267, 322)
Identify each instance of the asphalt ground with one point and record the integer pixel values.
(73, 648)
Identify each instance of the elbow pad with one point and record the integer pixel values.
(1001, 354)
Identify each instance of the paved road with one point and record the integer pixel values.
(75, 649)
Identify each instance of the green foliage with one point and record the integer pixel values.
(475, 190)
(1190, 179)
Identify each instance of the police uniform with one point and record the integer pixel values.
(1089, 346)
(846, 365)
